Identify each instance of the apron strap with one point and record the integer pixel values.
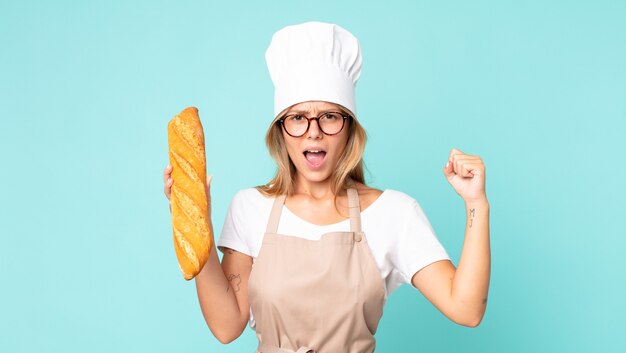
(354, 208)
(272, 224)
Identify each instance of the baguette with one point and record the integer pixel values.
(193, 236)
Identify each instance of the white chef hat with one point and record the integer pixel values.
(313, 61)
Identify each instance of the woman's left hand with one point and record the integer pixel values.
(466, 174)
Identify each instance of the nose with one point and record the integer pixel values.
(314, 129)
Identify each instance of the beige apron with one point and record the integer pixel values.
(320, 296)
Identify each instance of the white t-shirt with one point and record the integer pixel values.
(400, 236)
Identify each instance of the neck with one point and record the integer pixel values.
(314, 189)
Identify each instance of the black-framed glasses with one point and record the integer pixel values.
(330, 123)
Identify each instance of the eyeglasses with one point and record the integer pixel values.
(330, 123)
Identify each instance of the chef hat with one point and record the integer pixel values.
(313, 61)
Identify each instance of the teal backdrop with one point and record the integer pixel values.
(536, 88)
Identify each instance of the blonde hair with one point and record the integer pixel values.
(349, 167)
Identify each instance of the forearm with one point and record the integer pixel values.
(470, 284)
(218, 301)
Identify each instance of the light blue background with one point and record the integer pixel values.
(536, 88)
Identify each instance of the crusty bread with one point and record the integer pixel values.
(193, 236)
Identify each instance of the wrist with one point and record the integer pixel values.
(480, 202)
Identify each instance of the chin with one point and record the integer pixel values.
(315, 176)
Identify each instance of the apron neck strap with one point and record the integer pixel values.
(272, 224)
(354, 207)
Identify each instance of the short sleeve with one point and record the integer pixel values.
(416, 245)
(232, 235)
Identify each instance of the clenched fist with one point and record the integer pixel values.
(466, 174)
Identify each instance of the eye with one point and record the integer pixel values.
(331, 116)
(295, 118)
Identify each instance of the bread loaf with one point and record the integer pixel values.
(193, 236)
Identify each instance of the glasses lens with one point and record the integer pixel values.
(295, 124)
(331, 123)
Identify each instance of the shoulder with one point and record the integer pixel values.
(248, 212)
(389, 197)
(250, 198)
(390, 202)
(399, 198)
(367, 195)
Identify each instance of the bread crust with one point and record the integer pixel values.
(193, 236)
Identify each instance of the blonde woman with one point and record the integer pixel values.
(311, 257)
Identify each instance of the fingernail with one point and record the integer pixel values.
(447, 164)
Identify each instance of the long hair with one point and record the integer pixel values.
(349, 166)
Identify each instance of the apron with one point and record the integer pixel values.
(316, 296)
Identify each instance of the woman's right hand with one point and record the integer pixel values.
(167, 183)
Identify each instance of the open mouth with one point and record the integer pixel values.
(315, 158)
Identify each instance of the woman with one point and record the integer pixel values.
(333, 248)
